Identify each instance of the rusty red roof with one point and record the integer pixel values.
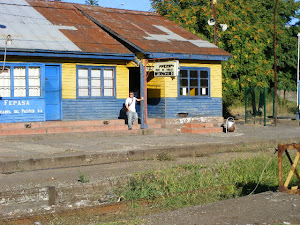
(85, 34)
(150, 32)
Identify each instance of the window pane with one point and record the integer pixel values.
(96, 73)
(193, 74)
(5, 83)
(34, 81)
(204, 91)
(84, 92)
(83, 73)
(203, 74)
(183, 82)
(109, 74)
(183, 91)
(108, 92)
(183, 73)
(96, 83)
(83, 83)
(194, 91)
(204, 83)
(194, 82)
(19, 82)
(96, 92)
(108, 84)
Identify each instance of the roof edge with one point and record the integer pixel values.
(64, 54)
(159, 55)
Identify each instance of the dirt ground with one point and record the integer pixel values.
(264, 208)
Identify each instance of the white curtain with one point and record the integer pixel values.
(5, 86)
(95, 82)
(109, 82)
(83, 82)
(34, 81)
(19, 82)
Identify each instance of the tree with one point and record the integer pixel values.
(91, 2)
(249, 38)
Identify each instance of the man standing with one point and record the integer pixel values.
(131, 112)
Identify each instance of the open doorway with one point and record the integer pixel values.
(134, 81)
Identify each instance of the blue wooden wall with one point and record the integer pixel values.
(93, 109)
(195, 107)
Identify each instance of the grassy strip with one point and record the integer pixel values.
(238, 177)
(180, 186)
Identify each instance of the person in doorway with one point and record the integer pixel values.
(130, 106)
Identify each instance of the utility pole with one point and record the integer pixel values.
(275, 64)
(213, 4)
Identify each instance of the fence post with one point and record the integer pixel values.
(245, 105)
(265, 110)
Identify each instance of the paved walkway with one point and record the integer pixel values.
(72, 144)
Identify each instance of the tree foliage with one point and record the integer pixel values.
(249, 38)
(91, 2)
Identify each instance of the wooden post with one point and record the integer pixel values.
(213, 3)
(275, 62)
(145, 93)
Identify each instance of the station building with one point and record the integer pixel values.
(71, 62)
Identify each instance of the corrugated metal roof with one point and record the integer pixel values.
(150, 31)
(42, 25)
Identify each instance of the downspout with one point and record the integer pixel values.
(143, 92)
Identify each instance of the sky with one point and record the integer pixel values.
(140, 5)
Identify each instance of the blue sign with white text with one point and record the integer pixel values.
(22, 110)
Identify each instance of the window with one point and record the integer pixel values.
(5, 81)
(20, 81)
(194, 82)
(95, 82)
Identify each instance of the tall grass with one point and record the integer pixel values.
(187, 185)
(284, 107)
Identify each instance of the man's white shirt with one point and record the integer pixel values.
(131, 102)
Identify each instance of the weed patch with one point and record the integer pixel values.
(195, 184)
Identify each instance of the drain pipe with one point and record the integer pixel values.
(143, 91)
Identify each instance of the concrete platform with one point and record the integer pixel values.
(31, 152)
(34, 166)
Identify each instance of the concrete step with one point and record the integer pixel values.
(72, 129)
(199, 125)
(4, 126)
(201, 130)
(52, 127)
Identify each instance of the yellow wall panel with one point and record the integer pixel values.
(216, 81)
(171, 87)
(69, 81)
(122, 81)
(156, 87)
